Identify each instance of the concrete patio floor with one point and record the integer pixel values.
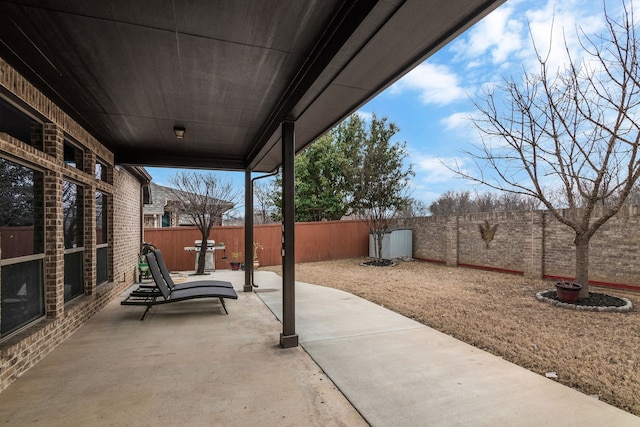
(186, 364)
(190, 364)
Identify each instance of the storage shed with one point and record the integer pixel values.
(396, 243)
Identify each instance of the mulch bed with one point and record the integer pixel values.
(594, 300)
(379, 263)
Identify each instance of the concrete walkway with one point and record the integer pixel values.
(398, 372)
(189, 364)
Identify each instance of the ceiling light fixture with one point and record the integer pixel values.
(179, 131)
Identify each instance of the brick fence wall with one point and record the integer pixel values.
(534, 244)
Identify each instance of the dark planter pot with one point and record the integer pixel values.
(235, 266)
(568, 291)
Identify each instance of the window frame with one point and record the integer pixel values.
(41, 256)
(105, 244)
(80, 188)
(23, 109)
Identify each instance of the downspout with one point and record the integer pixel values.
(253, 180)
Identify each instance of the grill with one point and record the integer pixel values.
(209, 258)
(210, 244)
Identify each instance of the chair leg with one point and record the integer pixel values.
(145, 312)
(223, 305)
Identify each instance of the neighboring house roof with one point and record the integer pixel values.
(160, 196)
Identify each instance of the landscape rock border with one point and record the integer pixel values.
(623, 309)
(373, 263)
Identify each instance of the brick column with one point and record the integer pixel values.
(54, 141)
(89, 215)
(451, 256)
(54, 247)
(110, 202)
(89, 240)
(534, 252)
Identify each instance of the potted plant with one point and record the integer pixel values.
(567, 291)
(235, 260)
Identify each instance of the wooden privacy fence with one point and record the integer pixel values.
(315, 241)
(16, 241)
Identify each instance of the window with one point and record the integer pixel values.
(101, 171)
(72, 210)
(22, 245)
(102, 274)
(166, 219)
(73, 154)
(20, 125)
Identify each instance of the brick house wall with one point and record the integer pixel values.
(23, 348)
(127, 230)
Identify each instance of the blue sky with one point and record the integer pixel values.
(432, 103)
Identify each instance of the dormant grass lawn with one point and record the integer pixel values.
(596, 353)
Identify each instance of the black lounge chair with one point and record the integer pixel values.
(144, 290)
(195, 284)
(167, 295)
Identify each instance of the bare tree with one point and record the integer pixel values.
(461, 202)
(573, 133)
(203, 198)
(263, 199)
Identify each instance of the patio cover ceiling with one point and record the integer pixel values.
(230, 72)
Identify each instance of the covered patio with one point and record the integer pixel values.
(238, 85)
(189, 364)
(243, 86)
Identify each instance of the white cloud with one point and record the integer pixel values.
(557, 24)
(458, 121)
(495, 37)
(437, 84)
(498, 46)
(502, 41)
(434, 169)
(435, 178)
(364, 115)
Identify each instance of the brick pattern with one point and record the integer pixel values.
(614, 252)
(54, 245)
(505, 251)
(127, 226)
(433, 231)
(20, 351)
(534, 247)
(532, 243)
(452, 235)
(17, 85)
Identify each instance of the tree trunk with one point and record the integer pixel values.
(202, 256)
(582, 265)
(379, 236)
